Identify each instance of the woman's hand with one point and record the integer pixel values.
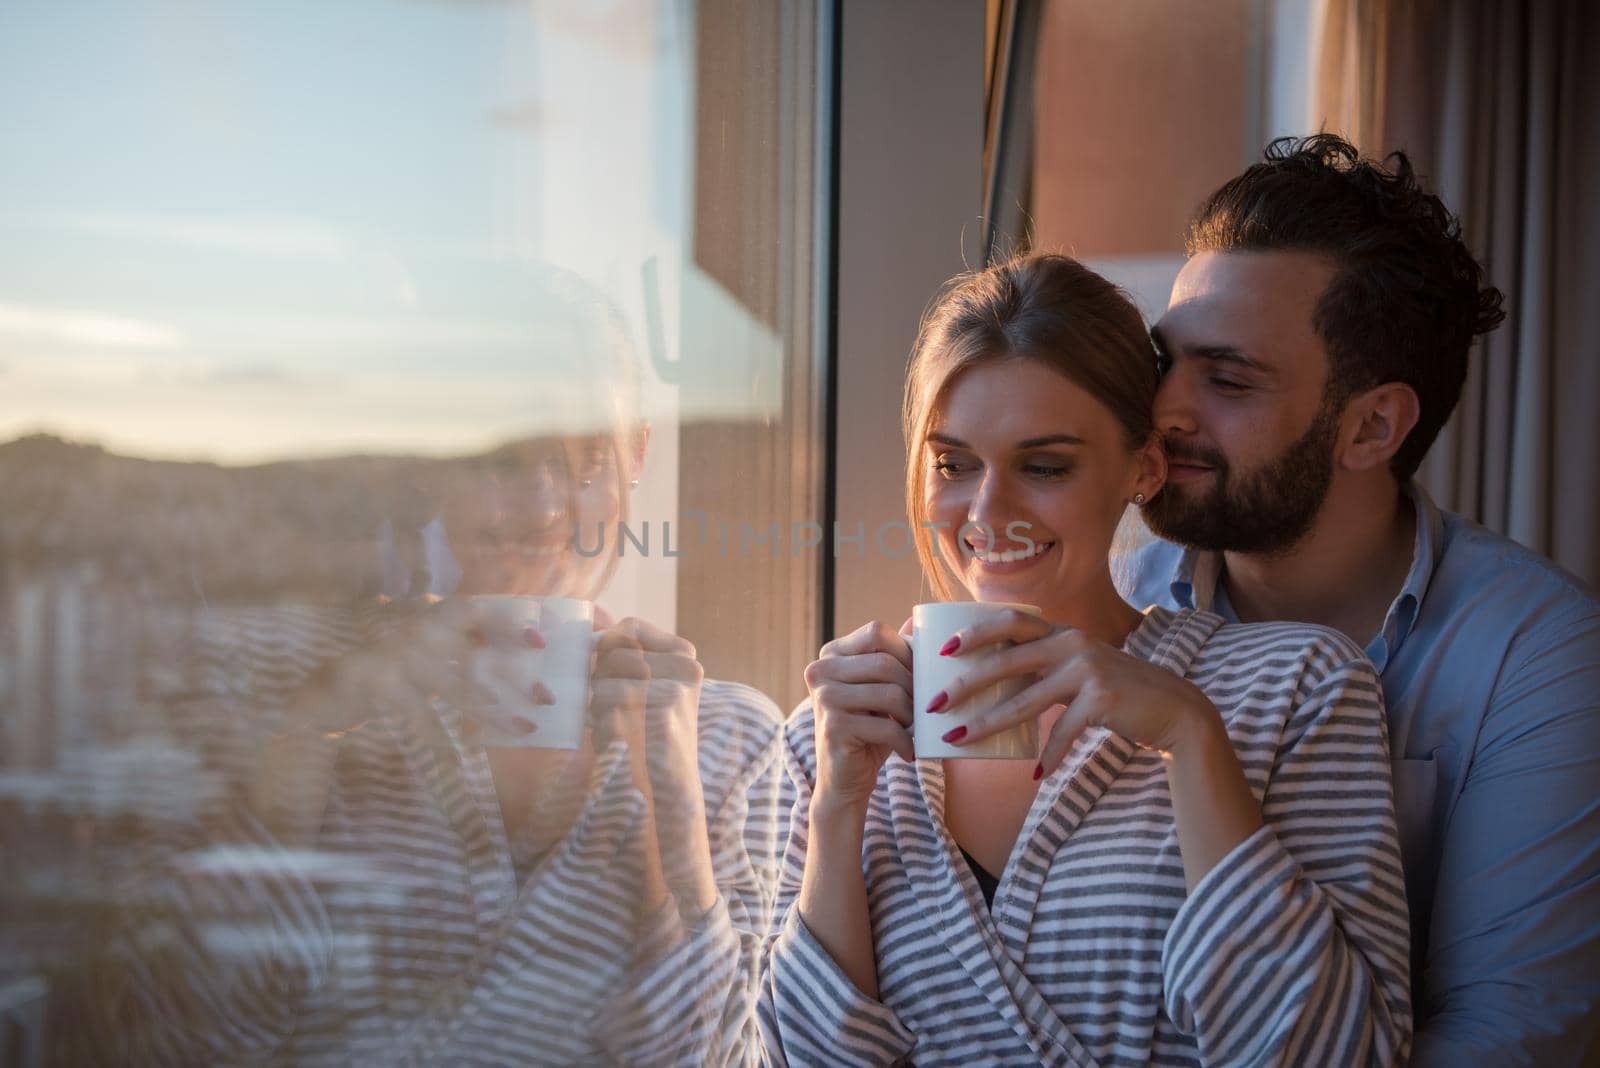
(860, 689)
(1099, 686)
(417, 652)
(646, 693)
(861, 696)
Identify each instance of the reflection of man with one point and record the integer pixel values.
(1315, 343)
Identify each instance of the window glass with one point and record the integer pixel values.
(408, 409)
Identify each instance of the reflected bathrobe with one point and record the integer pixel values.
(404, 934)
(1291, 951)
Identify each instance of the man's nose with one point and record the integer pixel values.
(1174, 411)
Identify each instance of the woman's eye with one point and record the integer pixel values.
(1046, 470)
(948, 468)
(591, 463)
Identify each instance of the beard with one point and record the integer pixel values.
(1267, 510)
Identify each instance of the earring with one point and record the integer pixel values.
(633, 483)
(1138, 498)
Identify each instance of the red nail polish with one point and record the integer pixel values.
(533, 637)
(1038, 772)
(940, 699)
(950, 646)
(955, 735)
(542, 695)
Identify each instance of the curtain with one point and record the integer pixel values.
(1497, 103)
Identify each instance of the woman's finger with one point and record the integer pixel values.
(675, 668)
(617, 637)
(1068, 728)
(865, 667)
(622, 663)
(642, 634)
(1028, 660)
(1058, 688)
(874, 637)
(613, 693)
(888, 698)
(500, 721)
(482, 620)
(1010, 625)
(847, 730)
(642, 667)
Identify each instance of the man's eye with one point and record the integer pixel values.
(1163, 363)
(1228, 385)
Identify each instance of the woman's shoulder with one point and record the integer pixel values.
(1258, 642)
(1282, 656)
(1312, 638)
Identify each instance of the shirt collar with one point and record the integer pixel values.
(1195, 583)
(1426, 545)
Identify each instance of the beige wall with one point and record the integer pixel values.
(910, 187)
(1142, 108)
(754, 617)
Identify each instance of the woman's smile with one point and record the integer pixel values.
(1008, 561)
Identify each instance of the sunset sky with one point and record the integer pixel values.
(309, 228)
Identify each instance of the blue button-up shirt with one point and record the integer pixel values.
(1490, 657)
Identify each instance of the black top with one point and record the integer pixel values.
(986, 882)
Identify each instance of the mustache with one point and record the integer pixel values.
(1195, 454)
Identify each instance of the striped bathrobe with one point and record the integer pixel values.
(404, 934)
(1291, 951)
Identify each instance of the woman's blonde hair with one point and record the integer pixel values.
(1043, 307)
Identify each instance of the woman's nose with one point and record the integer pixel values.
(549, 492)
(991, 505)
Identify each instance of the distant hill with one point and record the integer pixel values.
(299, 528)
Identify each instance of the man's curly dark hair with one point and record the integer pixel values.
(1407, 297)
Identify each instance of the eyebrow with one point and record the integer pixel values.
(1030, 443)
(1229, 354)
(1219, 353)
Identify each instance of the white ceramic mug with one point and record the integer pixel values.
(508, 669)
(932, 626)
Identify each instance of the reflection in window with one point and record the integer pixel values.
(376, 378)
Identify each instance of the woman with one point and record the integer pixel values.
(410, 892)
(1201, 869)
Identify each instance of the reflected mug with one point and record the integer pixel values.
(508, 670)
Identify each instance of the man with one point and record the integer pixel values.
(1315, 343)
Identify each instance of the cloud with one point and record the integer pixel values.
(268, 236)
(232, 377)
(260, 375)
(82, 326)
